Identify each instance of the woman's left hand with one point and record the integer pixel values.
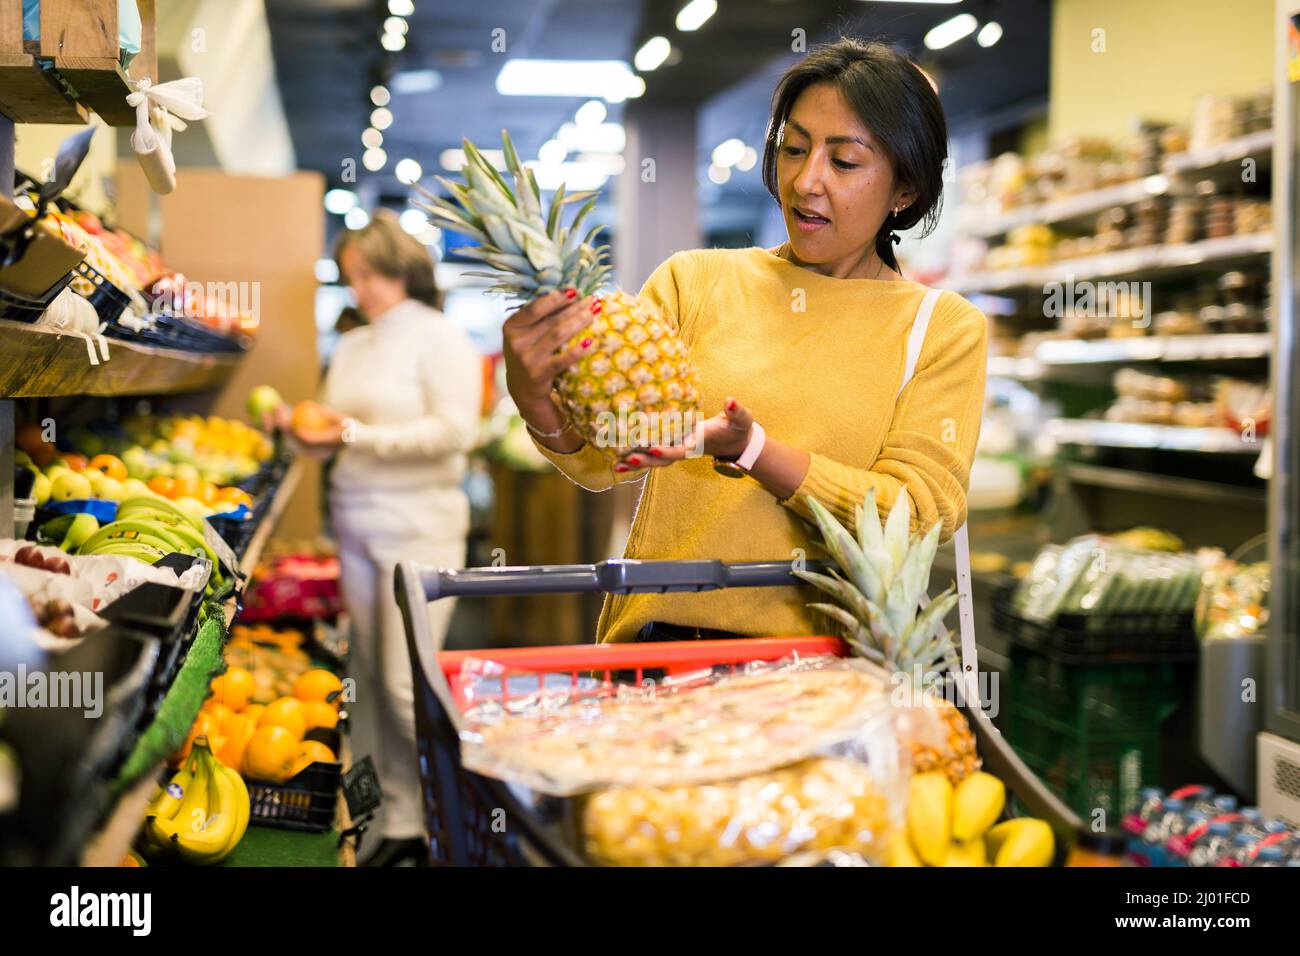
(724, 436)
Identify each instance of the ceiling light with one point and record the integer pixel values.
(356, 218)
(392, 42)
(415, 81)
(748, 160)
(374, 159)
(413, 221)
(637, 87)
(453, 160)
(729, 153)
(407, 171)
(396, 25)
(379, 95)
(591, 113)
(611, 163)
(585, 78)
(576, 177)
(339, 201)
(950, 31)
(693, 15)
(718, 174)
(382, 118)
(652, 53)
(327, 270)
(372, 138)
(552, 152)
(605, 138)
(989, 34)
(401, 8)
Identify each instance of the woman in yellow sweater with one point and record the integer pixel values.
(809, 339)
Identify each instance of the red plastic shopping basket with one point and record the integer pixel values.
(476, 820)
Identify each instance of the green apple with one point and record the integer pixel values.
(54, 472)
(136, 460)
(110, 489)
(134, 488)
(96, 479)
(193, 507)
(41, 489)
(22, 458)
(70, 487)
(263, 400)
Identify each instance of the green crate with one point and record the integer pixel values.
(1091, 732)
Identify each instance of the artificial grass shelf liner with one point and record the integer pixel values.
(180, 707)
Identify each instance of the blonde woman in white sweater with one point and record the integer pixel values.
(402, 395)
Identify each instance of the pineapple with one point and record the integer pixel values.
(637, 386)
(878, 588)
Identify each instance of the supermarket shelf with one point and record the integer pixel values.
(1146, 263)
(41, 362)
(1190, 489)
(1013, 366)
(1154, 348)
(1081, 207)
(1257, 146)
(1082, 431)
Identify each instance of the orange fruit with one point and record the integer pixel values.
(310, 752)
(183, 488)
(110, 465)
(236, 496)
(270, 754)
(317, 684)
(160, 484)
(230, 750)
(285, 712)
(254, 712)
(319, 714)
(221, 716)
(309, 416)
(234, 688)
(31, 439)
(207, 493)
(76, 462)
(203, 726)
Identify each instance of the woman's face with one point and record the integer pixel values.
(375, 292)
(836, 183)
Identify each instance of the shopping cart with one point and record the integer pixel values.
(475, 820)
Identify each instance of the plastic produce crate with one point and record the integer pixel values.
(24, 308)
(109, 301)
(1091, 731)
(306, 802)
(461, 806)
(1078, 638)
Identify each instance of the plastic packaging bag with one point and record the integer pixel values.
(701, 769)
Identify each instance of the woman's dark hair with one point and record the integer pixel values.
(896, 101)
(392, 252)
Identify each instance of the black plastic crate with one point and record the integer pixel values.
(1082, 638)
(109, 301)
(23, 308)
(307, 801)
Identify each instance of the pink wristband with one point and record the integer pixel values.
(757, 439)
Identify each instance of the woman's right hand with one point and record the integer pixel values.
(530, 338)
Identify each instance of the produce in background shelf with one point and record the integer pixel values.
(637, 385)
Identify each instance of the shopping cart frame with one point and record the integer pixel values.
(478, 820)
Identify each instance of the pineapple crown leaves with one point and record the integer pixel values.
(882, 579)
(532, 253)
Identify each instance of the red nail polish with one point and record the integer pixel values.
(570, 293)
(620, 468)
(595, 307)
(731, 405)
(634, 461)
(656, 452)
(586, 343)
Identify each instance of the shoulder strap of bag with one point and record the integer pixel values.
(960, 539)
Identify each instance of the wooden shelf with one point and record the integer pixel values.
(41, 362)
(29, 94)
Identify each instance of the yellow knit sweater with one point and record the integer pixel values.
(818, 360)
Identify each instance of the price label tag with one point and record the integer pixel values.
(361, 788)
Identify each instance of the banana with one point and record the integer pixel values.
(976, 805)
(1021, 842)
(190, 540)
(168, 799)
(900, 851)
(244, 807)
(161, 505)
(966, 854)
(141, 525)
(133, 549)
(118, 532)
(210, 843)
(929, 816)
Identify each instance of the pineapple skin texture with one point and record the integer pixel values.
(637, 386)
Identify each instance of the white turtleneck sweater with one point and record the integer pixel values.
(412, 383)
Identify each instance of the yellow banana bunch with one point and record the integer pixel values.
(949, 826)
(202, 813)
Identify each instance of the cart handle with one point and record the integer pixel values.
(614, 575)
